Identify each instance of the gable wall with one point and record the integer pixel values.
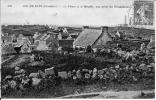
(102, 40)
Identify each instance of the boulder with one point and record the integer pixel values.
(74, 72)
(8, 77)
(87, 76)
(36, 81)
(5, 87)
(49, 71)
(85, 70)
(102, 50)
(21, 87)
(100, 76)
(41, 74)
(17, 68)
(17, 76)
(25, 81)
(149, 66)
(32, 58)
(134, 78)
(74, 77)
(69, 74)
(100, 72)
(12, 84)
(117, 66)
(78, 74)
(95, 71)
(90, 71)
(34, 75)
(152, 64)
(21, 71)
(143, 66)
(95, 50)
(63, 74)
(17, 72)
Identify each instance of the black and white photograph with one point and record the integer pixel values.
(76, 49)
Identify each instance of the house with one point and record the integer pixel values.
(54, 34)
(38, 38)
(36, 35)
(31, 39)
(42, 45)
(117, 35)
(63, 33)
(46, 42)
(66, 43)
(25, 45)
(93, 37)
(6, 38)
(8, 48)
(65, 30)
(25, 42)
(9, 42)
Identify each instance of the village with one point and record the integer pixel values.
(52, 61)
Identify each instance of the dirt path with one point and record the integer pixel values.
(9, 59)
(19, 61)
(110, 94)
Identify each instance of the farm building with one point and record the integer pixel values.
(25, 45)
(46, 42)
(63, 34)
(53, 34)
(31, 39)
(6, 39)
(8, 48)
(66, 43)
(36, 35)
(13, 40)
(93, 37)
(116, 34)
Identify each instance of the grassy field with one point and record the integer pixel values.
(68, 87)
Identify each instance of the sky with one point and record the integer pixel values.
(17, 14)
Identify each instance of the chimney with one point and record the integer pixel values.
(104, 29)
(85, 27)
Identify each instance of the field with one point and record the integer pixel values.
(68, 87)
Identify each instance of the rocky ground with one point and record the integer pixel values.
(142, 89)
